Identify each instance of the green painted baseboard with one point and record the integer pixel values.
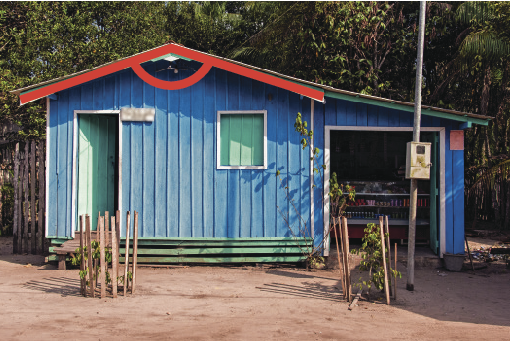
(217, 250)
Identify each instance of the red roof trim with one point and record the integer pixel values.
(208, 61)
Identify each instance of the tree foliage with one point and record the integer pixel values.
(40, 41)
(366, 47)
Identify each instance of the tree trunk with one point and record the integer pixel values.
(507, 208)
(484, 104)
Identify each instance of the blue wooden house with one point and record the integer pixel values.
(199, 161)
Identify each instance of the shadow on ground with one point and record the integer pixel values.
(56, 285)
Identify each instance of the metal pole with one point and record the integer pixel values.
(416, 138)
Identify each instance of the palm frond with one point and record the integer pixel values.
(261, 57)
(488, 177)
(485, 44)
(478, 11)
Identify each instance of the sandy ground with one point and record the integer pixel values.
(39, 302)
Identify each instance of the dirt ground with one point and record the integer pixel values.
(39, 302)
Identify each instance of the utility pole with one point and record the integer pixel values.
(416, 138)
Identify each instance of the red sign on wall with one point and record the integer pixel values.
(457, 140)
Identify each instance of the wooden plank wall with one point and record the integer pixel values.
(169, 166)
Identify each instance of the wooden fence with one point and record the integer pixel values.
(28, 224)
(6, 197)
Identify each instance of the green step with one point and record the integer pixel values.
(219, 250)
(261, 259)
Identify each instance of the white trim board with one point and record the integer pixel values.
(75, 175)
(47, 170)
(218, 133)
(327, 141)
(312, 173)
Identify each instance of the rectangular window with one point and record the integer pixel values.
(242, 139)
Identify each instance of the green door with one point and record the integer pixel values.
(96, 165)
(434, 189)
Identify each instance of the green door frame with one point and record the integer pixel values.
(75, 161)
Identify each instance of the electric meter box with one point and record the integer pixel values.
(418, 160)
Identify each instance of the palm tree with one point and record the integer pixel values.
(484, 50)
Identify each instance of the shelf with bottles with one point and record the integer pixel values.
(364, 221)
(394, 214)
(388, 202)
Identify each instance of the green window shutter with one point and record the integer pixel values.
(242, 140)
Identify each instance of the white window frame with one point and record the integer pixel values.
(218, 134)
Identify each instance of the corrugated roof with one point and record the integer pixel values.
(328, 90)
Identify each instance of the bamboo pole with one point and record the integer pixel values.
(126, 255)
(33, 180)
(115, 258)
(102, 260)
(15, 182)
(135, 252)
(83, 285)
(383, 251)
(340, 266)
(89, 260)
(346, 257)
(387, 231)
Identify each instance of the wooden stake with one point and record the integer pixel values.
(15, 223)
(115, 259)
(340, 265)
(395, 279)
(106, 230)
(383, 249)
(20, 207)
(83, 284)
(126, 255)
(102, 260)
(96, 261)
(117, 231)
(33, 180)
(41, 200)
(26, 204)
(387, 231)
(135, 252)
(469, 253)
(89, 261)
(346, 257)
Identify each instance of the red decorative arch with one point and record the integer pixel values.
(171, 85)
(135, 61)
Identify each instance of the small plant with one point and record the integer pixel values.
(372, 258)
(339, 196)
(96, 254)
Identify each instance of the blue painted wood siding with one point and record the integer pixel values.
(169, 169)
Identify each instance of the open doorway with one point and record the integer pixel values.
(374, 161)
(97, 170)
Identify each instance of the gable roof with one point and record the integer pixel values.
(312, 90)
